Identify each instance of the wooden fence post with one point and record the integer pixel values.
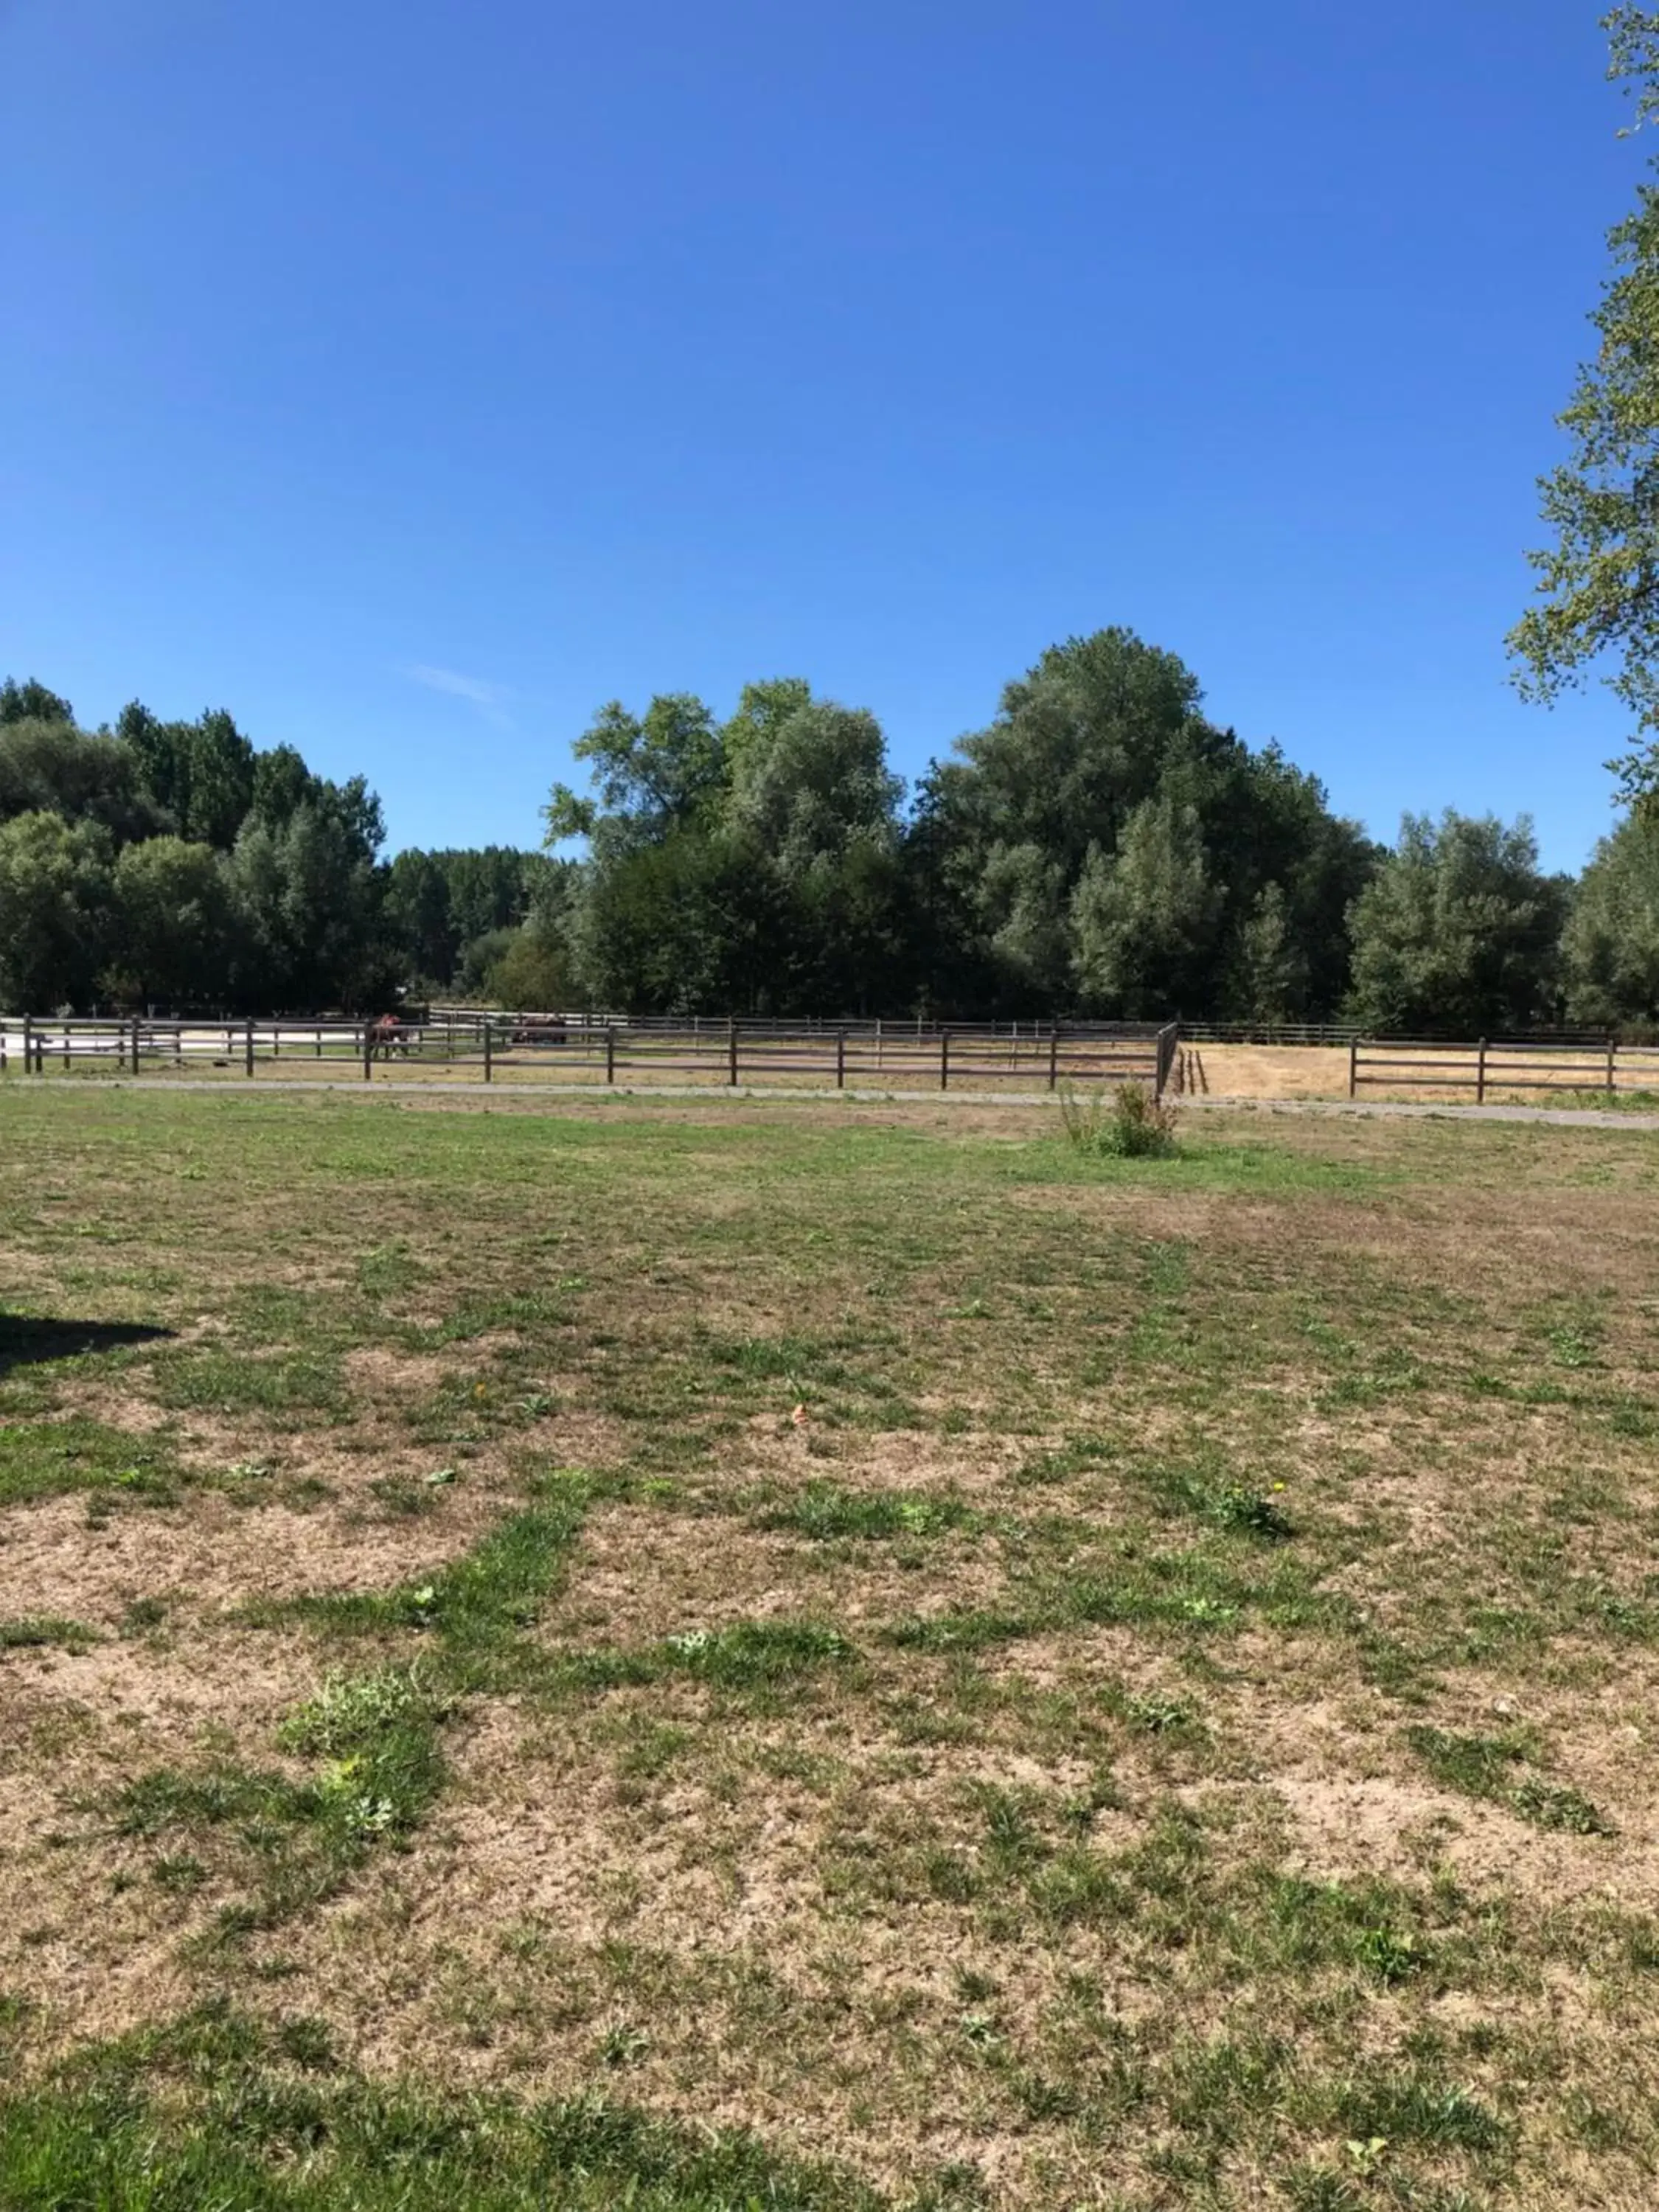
(135, 1044)
(1354, 1067)
(1053, 1056)
(610, 1056)
(944, 1059)
(1613, 1080)
(368, 1054)
(840, 1059)
(1480, 1075)
(247, 1048)
(489, 1048)
(731, 1053)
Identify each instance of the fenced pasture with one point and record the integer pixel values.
(467, 1046)
(839, 1656)
(477, 1046)
(1503, 1069)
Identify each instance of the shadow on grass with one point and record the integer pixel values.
(27, 1340)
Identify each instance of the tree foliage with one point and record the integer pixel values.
(1457, 931)
(1610, 948)
(1103, 845)
(1101, 848)
(175, 862)
(54, 909)
(1598, 578)
(49, 766)
(753, 866)
(175, 933)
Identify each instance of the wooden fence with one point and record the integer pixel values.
(557, 1049)
(1487, 1069)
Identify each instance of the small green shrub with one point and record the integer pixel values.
(1127, 1123)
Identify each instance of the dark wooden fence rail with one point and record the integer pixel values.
(860, 1055)
(1487, 1068)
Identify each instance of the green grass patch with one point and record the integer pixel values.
(29, 1629)
(45, 1459)
(219, 2110)
(278, 1383)
(1241, 1508)
(295, 1842)
(748, 1656)
(1202, 1589)
(474, 1611)
(824, 1511)
(1499, 1770)
(377, 1733)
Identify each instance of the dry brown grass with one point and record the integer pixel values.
(1012, 1882)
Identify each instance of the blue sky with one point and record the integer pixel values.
(410, 377)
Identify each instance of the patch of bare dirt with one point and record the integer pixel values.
(224, 1552)
(74, 1727)
(641, 1575)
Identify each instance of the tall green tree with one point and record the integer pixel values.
(1144, 918)
(307, 902)
(751, 866)
(1292, 870)
(1598, 578)
(201, 773)
(49, 766)
(811, 794)
(489, 888)
(692, 923)
(1010, 824)
(54, 911)
(1610, 947)
(652, 774)
(1269, 978)
(31, 702)
(212, 869)
(418, 914)
(172, 939)
(1458, 931)
(1037, 868)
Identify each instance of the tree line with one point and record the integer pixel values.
(1100, 850)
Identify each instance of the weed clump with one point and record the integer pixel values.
(1127, 1123)
(351, 1711)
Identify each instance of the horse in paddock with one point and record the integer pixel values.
(385, 1035)
(539, 1029)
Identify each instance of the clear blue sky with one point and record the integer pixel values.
(411, 376)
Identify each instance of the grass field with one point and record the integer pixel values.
(823, 1657)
